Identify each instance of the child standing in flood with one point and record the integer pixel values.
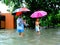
(37, 26)
(20, 26)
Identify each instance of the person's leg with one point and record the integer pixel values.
(19, 31)
(22, 33)
(38, 30)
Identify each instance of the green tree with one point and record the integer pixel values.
(51, 6)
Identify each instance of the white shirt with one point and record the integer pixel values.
(20, 23)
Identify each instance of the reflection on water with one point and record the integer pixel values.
(47, 37)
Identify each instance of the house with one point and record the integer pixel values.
(7, 21)
(6, 18)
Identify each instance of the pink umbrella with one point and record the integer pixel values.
(24, 9)
(38, 14)
(21, 10)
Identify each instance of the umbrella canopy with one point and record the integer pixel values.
(38, 14)
(21, 10)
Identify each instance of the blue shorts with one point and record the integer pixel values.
(19, 30)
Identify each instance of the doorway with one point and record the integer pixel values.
(2, 22)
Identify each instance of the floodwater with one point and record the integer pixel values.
(47, 37)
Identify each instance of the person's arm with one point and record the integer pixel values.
(26, 24)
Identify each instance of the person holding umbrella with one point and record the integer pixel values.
(37, 26)
(37, 15)
(20, 26)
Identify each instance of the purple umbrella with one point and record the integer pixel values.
(38, 14)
